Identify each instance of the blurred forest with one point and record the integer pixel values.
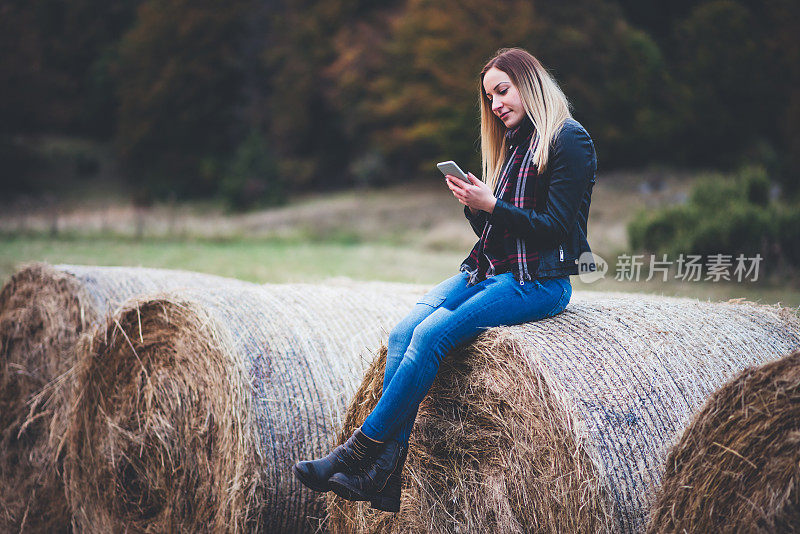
(250, 100)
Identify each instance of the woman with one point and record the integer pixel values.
(529, 212)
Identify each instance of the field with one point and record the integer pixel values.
(649, 366)
(410, 233)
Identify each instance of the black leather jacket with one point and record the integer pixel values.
(559, 232)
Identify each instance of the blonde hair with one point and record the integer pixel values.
(545, 105)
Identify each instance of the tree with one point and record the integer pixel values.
(415, 90)
(178, 78)
(307, 121)
(52, 76)
(729, 93)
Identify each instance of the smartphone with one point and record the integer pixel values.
(450, 167)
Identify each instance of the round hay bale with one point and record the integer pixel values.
(194, 405)
(737, 465)
(563, 425)
(43, 311)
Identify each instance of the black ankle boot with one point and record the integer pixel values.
(347, 457)
(388, 499)
(366, 483)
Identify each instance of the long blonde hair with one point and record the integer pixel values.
(545, 105)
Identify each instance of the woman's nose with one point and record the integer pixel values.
(496, 104)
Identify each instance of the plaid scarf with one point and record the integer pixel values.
(498, 250)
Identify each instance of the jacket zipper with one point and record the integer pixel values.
(560, 253)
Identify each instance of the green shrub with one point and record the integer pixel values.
(715, 192)
(741, 229)
(659, 231)
(17, 162)
(724, 215)
(756, 185)
(788, 231)
(252, 178)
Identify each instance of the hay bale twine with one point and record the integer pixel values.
(194, 405)
(737, 466)
(563, 425)
(43, 311)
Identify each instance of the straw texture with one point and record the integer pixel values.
(737, 466)
(564, 425)
(43, 311)
(194, 405)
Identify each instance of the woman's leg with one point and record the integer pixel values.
(317, 474)
(404, 432)
(400, 336)
(459, 318)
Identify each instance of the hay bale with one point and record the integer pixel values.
(737, 465)
(43, 311)
(194, 405)
(563, 425)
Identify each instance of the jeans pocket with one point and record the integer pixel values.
(432, 300)
(566, 294)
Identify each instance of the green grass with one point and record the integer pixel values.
(257, 261)
(285, 261)
(412, 232)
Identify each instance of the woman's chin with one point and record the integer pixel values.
(511, 122)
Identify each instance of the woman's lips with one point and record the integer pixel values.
(504, 114)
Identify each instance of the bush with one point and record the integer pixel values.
(741, 229)
(716, 192)
(660, 231)
(756, 185)
(724, 215)
(252, 178)
(788, 230)
(17, 162)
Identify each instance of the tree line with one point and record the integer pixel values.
(251, 99)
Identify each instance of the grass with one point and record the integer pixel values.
(411, 232)
(286, 261)
(253, 260)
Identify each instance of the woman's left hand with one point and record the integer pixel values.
(477, 195)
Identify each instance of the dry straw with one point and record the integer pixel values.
(43, 311)
(564, 425)
(737, 466)
(192, 406)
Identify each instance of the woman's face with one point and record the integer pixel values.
(503, 97)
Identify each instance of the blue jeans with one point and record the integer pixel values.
(447, 316)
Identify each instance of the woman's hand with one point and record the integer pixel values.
(478, 195)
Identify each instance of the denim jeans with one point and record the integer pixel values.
(449, 315)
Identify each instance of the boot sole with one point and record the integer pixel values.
(349, 493)
(299, 475)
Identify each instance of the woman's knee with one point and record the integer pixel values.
(400, 335)
(396, 346)
(428, 343)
